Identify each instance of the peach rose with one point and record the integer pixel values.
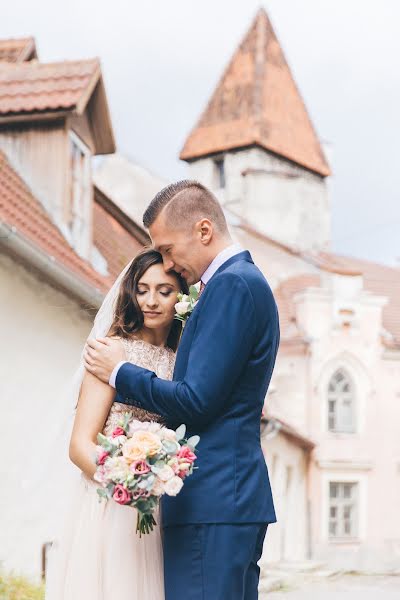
(133, 452)
(141, 445)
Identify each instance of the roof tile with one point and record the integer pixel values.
(257, 102)
(20, 209)
(17, 50)
(32, 86)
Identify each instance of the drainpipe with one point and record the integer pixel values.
(64, 279)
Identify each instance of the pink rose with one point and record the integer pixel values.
(186, 453)
(121, 494)
(117, 432)
(102, 457)
(140, 467)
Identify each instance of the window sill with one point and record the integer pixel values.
(344, 541)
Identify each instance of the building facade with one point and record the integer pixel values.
(336, 381)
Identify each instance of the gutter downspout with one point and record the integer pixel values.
(68, 281)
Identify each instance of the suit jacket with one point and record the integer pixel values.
(223, 368)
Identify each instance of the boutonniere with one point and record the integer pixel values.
(186, 303)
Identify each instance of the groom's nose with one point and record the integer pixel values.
(168, 264)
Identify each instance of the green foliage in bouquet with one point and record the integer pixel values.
(186, 303)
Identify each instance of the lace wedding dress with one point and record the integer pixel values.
(100, 556)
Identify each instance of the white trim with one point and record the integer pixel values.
(81, 228)
(346, 477)
(343, 464)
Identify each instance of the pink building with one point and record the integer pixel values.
(337, 380)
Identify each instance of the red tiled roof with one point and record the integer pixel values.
(257, 102)
(378, 279)
(290, 432)
(17, 50)
(284, 294)
(31, 86)
(113, 241)
(20, 209)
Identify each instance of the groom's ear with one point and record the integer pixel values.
(205, 230)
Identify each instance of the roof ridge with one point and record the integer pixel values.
(35, 64)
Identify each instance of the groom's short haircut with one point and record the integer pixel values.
(185, 203)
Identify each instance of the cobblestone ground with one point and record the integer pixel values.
(346, 587)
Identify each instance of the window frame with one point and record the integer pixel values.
(339, 426)
(345, 476)
(78, 209)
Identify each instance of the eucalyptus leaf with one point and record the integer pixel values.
(171, 447)
(193, 441)
(102, 493)
(180, 432)
(194, 293)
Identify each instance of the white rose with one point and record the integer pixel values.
(182, 307)
(165, 473)
(158, 488)
(173, 486)
(167, 434)
(154, 427)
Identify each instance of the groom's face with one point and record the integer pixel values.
(182, 250)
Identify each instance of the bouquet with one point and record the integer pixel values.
(140, 462)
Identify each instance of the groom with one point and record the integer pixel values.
(215, 528)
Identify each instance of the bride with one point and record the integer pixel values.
(99, 556)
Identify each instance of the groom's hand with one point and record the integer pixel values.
(102, 355)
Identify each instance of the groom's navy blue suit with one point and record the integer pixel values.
(214, 529)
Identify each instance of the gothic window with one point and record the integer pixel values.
(343, 509)
(341, 403)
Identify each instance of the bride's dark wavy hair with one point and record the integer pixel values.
(128, 317)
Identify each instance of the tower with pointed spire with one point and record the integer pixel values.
(255, 145)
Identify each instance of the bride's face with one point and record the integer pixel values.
(156, 296)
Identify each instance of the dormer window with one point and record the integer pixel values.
(79, 195)
(220, 172)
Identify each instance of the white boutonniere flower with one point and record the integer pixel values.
(186, 303)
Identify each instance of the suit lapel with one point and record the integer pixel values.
(185, 342)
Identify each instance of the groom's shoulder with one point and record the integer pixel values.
(249, 274)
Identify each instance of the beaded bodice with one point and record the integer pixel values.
(158, 359)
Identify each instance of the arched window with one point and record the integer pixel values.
(341, 403)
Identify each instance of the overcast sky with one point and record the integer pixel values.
(162, 59)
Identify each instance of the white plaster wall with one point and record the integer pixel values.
(281, 199)
(42, 336)
(287, 539)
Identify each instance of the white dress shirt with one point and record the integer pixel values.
(212, 268)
